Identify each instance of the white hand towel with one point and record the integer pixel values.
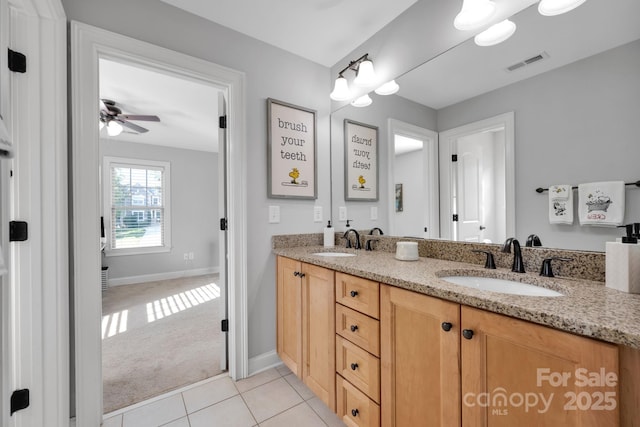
(560, 204)
(601, 203)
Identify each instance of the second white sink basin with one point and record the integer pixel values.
(335, 254)
(502, 286)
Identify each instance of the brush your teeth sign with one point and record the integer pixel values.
(292, 151)
(361, 161)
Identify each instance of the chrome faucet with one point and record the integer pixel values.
(518, 264)
(346, 237)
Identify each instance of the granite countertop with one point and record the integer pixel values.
(586, 308)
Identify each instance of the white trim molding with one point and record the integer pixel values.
(143, 278)
(88, 45)
(264, 361)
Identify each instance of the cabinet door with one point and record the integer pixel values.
(420, 363)
(318, 337)
(515, 373)
(289, 314)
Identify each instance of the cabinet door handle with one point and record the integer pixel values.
(353, 294)
(296, 273)
(301, 275)
(354, 328)
(467, 333)
(355, 412)
(354, 366)
(446, 326)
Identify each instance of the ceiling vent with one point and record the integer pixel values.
(528, 61)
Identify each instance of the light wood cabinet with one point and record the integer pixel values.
(306, 325)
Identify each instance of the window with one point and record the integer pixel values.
(136, 206)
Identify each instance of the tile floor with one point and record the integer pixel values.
(272, 398)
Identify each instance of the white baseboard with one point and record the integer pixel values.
(263, 361)
(161, 276)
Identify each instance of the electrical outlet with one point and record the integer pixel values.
(274, 214)
(374, 213)
(317, 214)
(342, 213)
(191, 255)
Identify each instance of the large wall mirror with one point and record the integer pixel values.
(572, 83)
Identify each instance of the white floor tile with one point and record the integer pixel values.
(270, 399)
(299, 416)
(299, 386)
(283, 369)
(113, 421)
(257, 380)
(182, 422)
(229, 413)
(156, 413)
(325, 413)
(209, 394)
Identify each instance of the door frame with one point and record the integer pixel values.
(88, 43)
(430, 175)
(447, 144)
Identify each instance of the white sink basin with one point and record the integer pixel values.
(502, 286)
(335, 254)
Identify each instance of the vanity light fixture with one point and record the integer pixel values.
(497, 33)
(557, 7)
(389, 88)
(474, 14)
(363, 101)
(365, 76)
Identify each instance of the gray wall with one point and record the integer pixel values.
(576, 124)
(194, 211)
(270, 72)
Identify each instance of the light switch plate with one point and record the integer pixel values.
(342, 213)
(274, 214)
(317, 214)
(374, 213)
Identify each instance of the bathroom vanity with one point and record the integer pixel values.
(389, 342)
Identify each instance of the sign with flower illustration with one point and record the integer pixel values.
(291, 151)
(361, 161)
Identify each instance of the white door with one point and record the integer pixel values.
(470, 212)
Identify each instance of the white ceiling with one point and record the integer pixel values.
(323, 31)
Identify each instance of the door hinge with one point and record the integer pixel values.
(223, 224)
(224, 325)
(455, 217)
(222, 122)
(18, 231)
(17, 62)
(19, 400)
(454, 157)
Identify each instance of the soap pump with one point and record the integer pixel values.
(329, 236)
(631, 237)
(622, 260)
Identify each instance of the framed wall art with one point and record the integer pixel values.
(361, 161)
(291, 153)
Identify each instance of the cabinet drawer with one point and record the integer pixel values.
(360, 368)
(353, 407)
(359, 329)
(360, 294)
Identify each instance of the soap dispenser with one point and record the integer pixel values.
(623, 263)
(329, 236)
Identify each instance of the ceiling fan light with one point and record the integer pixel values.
(363, 101)
(557, 7)
(114, 128)
(341, 90)
(474, 14)
(100, 124)
(389, 88)
(496, 33)
(365, 76)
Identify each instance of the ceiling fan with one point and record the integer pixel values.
(112, 117)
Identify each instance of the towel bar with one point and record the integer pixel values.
(542, 190)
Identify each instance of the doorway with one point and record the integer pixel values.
(89, 44)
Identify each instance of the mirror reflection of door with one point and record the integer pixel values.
(481, 187)
(477, 185)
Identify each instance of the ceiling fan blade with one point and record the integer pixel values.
(133, 126)
(139, 117)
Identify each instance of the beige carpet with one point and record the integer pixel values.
(159, 336)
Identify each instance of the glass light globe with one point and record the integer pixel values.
(496, 33)
(363, 101)
(365, 75)
(389, 88)
(474, 14)
(557, 7)
(114, 128)
(341, 90)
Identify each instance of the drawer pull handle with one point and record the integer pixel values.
(354, 328)
(302, 275)
(296, 273)
(354, 294)
(467, 333)
(446, 326)
(354, 366)
(355, 412)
